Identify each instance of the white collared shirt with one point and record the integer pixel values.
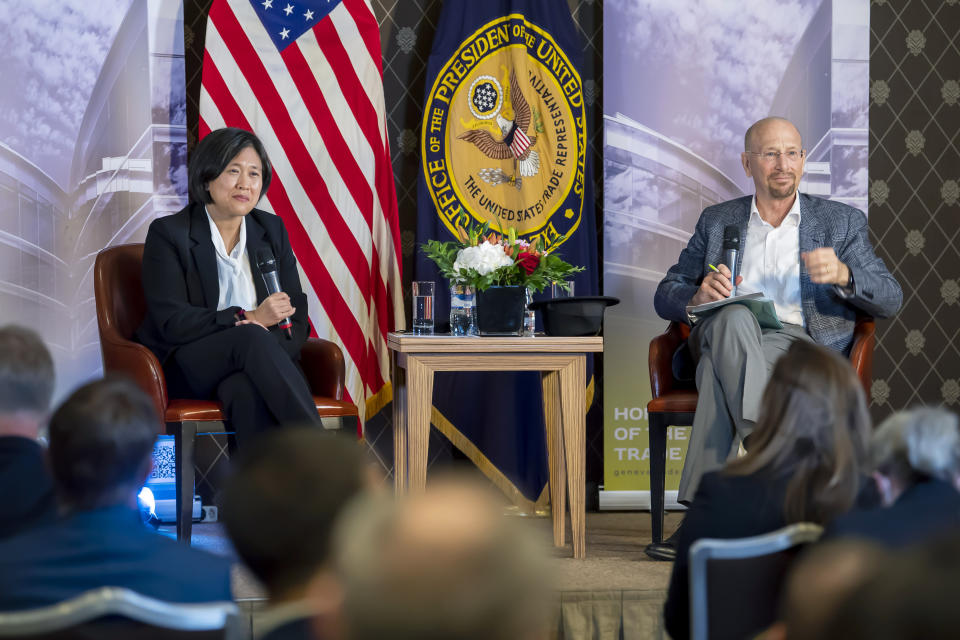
(233, 270)
(771, 262)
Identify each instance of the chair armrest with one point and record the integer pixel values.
(861, 351)
(322, 363)
(139, 364)
(660, 361)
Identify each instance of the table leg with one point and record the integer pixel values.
(550, 380)
(419, 404)
(399, 427)
(573, 406)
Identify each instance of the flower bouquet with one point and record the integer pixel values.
(501, 268)
(482, 258)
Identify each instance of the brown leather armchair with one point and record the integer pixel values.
(120, 309)
(674, 403)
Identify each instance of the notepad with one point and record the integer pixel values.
(762, 307)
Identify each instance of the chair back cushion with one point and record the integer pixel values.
(744, 593)
(121, 307)
(119, 290)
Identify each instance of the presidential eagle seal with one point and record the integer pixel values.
(504, 134)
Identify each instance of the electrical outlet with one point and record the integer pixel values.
(209, 514)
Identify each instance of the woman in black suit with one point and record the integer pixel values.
(209, 317)
(806, 462)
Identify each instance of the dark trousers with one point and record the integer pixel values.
(245, 368)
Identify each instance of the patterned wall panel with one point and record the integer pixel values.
(915, 198)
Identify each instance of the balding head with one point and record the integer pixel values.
(761, 127)
(442, 564)
(773, 157)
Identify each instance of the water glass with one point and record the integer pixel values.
(529, 316)
(423, 307)
(463, 310)
(557, 291)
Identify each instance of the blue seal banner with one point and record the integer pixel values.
(504, 141)
(504, 133)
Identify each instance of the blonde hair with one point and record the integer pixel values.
(813, 428)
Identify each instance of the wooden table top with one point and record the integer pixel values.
(404, 342)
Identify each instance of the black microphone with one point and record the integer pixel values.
(731, 251)
(268, 267)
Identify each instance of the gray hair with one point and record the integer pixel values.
(924, 440)
(26, 371)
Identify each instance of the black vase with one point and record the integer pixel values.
(500, 311)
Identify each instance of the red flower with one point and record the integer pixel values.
(528, 261)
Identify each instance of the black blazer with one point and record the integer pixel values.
(101, 548)
(922, 512)
(181, 287)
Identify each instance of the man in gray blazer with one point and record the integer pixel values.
(811, 256)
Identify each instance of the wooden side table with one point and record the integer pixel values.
(562, 366)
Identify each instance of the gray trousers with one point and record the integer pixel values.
(734, 360)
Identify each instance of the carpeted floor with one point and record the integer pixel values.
(614, 593)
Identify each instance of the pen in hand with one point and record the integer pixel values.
(739, 278)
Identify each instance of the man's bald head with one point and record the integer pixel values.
(758, 127)
(441, 564)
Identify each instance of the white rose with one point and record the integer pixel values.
(485, 258)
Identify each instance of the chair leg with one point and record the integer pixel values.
(658, 471)
(184, 437)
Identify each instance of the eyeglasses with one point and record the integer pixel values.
(770, 157)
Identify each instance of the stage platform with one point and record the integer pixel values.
(616, 592)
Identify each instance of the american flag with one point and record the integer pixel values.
(306, 77)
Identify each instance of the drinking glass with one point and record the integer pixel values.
(463, 310)
(557, 291)
(423, 307)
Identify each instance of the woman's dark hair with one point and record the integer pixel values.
(215, 152)
(813, 428)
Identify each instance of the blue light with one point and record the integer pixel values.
(147, 505)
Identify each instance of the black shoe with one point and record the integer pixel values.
(666, 550)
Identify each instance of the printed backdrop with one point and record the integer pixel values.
(684, 80)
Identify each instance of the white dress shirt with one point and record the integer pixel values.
(771, 262)
(233, 270)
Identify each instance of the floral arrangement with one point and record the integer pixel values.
(483, 259)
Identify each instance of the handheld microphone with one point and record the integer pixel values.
(731, 251)
(268, 267)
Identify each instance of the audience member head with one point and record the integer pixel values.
(914, 445)
(813, 427)
(442, 564)
(822, 578)
(26, 382)
(911, 596)
(280, 504)
(101, 439)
